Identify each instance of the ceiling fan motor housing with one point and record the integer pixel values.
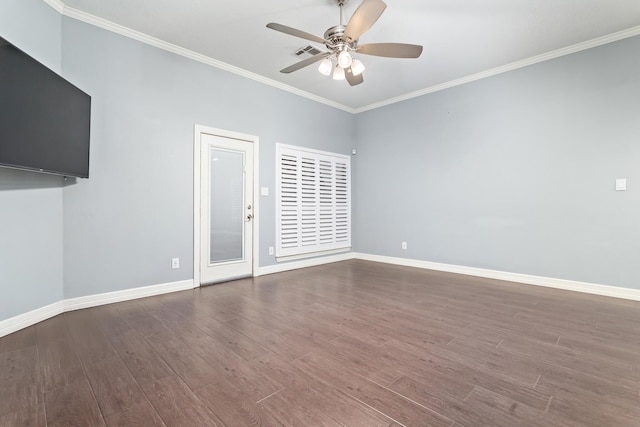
(342, 40)
(336, 41)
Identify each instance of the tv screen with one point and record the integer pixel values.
(44, 119)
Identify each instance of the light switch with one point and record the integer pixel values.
(621, 184)
(264, 191)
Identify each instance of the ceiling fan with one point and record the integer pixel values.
(342, 42)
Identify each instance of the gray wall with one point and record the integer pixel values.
(120, 228)
(513, 173)
(123, 225)
(30, 203)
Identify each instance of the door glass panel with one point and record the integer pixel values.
(227, 206)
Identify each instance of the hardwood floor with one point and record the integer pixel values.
(347, 344)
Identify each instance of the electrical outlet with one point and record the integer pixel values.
(175, 263)
(270, 250)
(404, 245)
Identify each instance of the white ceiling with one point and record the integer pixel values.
(461, 38)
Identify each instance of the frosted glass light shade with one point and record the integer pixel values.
(357, 67)
(344, 59)
(338, 73)
(325, 66)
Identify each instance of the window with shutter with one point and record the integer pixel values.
(313, 201)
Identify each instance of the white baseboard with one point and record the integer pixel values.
(21, 321)
(312, 262)
(125, 295)
(25, 320)
(569, 285)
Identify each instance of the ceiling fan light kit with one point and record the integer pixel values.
(338, 73)
(357, 67)
(326, 66)
(342, 41)
(344, 59)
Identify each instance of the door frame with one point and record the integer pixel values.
(199, 130)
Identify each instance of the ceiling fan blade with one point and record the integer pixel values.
(306, 62)
(353, 80)
(294, 32)
(391, 50)
(364, 17)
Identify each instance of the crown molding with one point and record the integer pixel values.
(610, 38)
(160, 44)
(56, 4)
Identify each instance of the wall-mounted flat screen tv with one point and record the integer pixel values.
(44, 119)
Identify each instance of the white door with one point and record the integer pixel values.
(226, 208)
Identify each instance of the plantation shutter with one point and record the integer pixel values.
(313, 201)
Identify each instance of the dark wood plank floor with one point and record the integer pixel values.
(348, 344)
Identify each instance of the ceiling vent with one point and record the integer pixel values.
(307, 49)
